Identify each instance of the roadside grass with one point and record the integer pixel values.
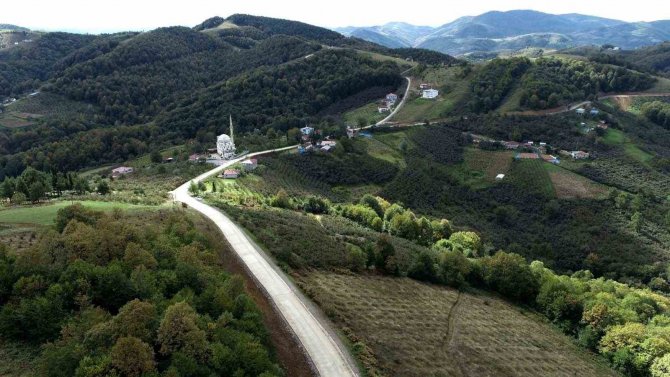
(417, 329)
(532, 176)
(569, 185)
(453, 89)
(368, 112)
(45, 214)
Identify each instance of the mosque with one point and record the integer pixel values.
(225, 145)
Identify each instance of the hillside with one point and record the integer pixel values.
(513, 30)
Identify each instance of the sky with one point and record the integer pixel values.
(96, 16)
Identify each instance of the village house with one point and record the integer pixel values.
(194, 157)
(383, 109)
(430, 93)
(231, 174)
(594, 112)
(351, 133)
(580, 111)
(551, 159)
(327, 148)
(391, 98)
(602, 125)
(500, 177)
(424, 86)
(121, 170)
(332, 143)
(307, 130)
(579, 155)
(250, 164)
(511, 144)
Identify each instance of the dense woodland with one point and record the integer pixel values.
(103, 295)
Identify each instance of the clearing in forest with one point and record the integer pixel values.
(569, 185)
(416, 329)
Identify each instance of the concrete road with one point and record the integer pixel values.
(327, 354)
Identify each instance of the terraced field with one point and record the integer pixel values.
(415, 329)
(569, 185)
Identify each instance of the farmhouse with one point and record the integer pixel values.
(391, 98)
(602, 125)
(331, 143)
(424, 86)
(231, 174)
(579, 155)
(121, 170)
(383, 109)
(580, 111)
(250, 164)
(430, 93)
(551, 159)
(511, 144)
(595, 112)
(307, 130)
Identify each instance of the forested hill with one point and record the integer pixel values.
(110, 97)
(282, 97)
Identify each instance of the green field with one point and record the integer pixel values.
(480, 167)
(368, 112)
(45, 214)
(617, 137)
(532, 176)
(453, 89)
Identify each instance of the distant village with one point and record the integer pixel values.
(541, 150)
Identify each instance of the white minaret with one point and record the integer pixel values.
(231, 129)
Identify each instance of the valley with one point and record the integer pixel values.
(385, 210)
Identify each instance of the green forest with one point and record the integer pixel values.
(125, 294)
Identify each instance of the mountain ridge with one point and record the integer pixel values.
(497, 31)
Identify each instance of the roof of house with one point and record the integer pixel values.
(231, 171)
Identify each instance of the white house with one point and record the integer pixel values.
(231, 174)
(122, 170)
(307, 130)
(430, 93)
(250, 164)
(580, 111)
(392, 97)
(383, 109)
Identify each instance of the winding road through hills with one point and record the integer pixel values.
(325, 351)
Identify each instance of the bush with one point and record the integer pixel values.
(510, 275)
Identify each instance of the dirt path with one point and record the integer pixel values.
(447, 350)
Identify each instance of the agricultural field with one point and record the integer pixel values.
(532, 176)
(453, 87)
(617, 137)
(46, 213)
(569, 185)
(416, 329)
(368, 113)
(481, 167)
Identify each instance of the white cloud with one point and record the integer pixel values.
(104, 16)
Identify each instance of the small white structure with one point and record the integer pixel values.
(307, 130)
(231, 174)
(500, 177)
(225, 145)
(383, 109)
(250, 164)
(392, 98)
(595, 111)
(430, 93)
(121, 170)
(580, 111)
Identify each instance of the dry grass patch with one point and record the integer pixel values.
(416, 329)
(569, 185)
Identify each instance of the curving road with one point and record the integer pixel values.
(326, 353)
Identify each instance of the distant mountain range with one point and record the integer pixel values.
(514, 30)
